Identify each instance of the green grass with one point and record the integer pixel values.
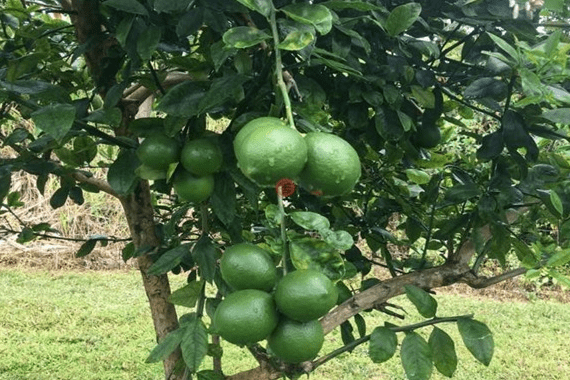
(96, 325)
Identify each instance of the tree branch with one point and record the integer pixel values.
(483, 282)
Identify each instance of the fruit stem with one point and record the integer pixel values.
(279, 69)
(283, 229)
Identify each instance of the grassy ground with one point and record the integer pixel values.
(96, 326)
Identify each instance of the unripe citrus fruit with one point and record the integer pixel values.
(246, 316)
(192, 188)
(201, 156)
(305, 294)
(333, 166)
(296, 342)
(247, 266)
(269, 151)
(158, 151)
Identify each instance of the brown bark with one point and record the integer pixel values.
(140, 217)
(87, 20)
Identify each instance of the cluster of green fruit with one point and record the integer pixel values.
(285, 311)
(268, 150)
(199, 160)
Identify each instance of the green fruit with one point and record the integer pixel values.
(333, 166)
(191, 188)
(246, 316)
(158, 151)
(247, 266)
(201, 157)
(296, 342)
(305, 294)
(269, 151)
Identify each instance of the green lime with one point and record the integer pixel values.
(333, 166)
(201, 156)
(305, 294)
(246, 316)
(158, 151)
(191, 188)
(254, 124)
(247, 266)
(296, 342)
(269, 151)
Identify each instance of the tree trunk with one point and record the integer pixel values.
(139, 212)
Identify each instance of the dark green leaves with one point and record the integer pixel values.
(194, 343)
(402, 17)
(205, 255)
(383, 344)
(316, 15)
(242, 37)
(443, 352)
(416, 357)
(477, 338)
(486, 88)
(169, 260)
(422, 300)
(187, 295)
(192, 339)
(121, 174)
(261, 6)
(129, 6)
(55, 120)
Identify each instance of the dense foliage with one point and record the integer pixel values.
(458, 110)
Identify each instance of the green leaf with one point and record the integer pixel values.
(311, 253)
(59, 197)
(559, 258)
(187, 295)
(55, 120)
(228, 87)
(194, 344)
(416, 357)
(443, 352)
(461, 193)
(360, 324)
(167, 345)
(171, 6)
(129, 6)
(383, 344)
(491, 146)
(422, 300)
(148, 41)
(261, 6)
(357, 5)
(340, 240)
(169, 260)
(121, 175)
(310, 220)
(506, 47)
(242, 37)
(296, 40)
(86, 248)
(486, 88)
(313, 14)
(5, 181)
(562, 279)
(477, 338)
(209, 374)
(554, 5)
(223, 199)
(183, 99)
(556, 202)
(418, 176)
(558, 115)
(425, 97)
(205, 255)
(190, 23)
(402, 17)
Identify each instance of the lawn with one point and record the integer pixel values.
(96, 326)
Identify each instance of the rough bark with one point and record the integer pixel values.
(137, 206)
(140, 217)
